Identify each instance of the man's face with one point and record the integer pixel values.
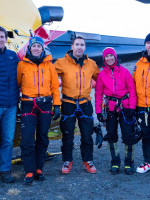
(3, 40)
(147, 47)
(78, 48)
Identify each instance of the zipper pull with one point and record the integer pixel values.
(42, 77)
(143, 78)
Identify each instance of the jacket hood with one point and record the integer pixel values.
(70, 56)
(145, 57)
(2, 51)
(47, 58)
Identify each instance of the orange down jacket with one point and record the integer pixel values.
(76, 80)
(141, 76)
(41, 80)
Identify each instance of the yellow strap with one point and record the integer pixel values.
(127, 167)
(115, 166)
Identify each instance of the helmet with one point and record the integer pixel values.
(137, 132)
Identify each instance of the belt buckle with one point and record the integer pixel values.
(44, 99)
(41, 98)
(37, 99)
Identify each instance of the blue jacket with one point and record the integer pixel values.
(9, 91)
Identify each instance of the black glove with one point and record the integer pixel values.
(99, 136)
(100, 117)
(56, 112)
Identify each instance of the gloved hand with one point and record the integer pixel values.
(56, 112)
(99, 136)
(100, 117)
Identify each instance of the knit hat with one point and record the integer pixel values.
(109, 50)
(147, 38)
(36, 40)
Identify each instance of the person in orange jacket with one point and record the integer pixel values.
(39, 84)
(141, 76)
(76, 71)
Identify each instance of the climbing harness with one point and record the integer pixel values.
(137, 133)
(119, 107)
(35, 100)
(77, 110)
(118, 101)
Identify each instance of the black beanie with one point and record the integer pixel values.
(147, 38)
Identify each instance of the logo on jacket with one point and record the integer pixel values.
(11, 57)
(134, 68)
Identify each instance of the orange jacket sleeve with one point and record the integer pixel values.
(96, 71)
(55, 86)
(59, 67)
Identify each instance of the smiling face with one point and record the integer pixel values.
(78, 48)
(110, 59)
(3, 40)
(147, 47)
(36, 49)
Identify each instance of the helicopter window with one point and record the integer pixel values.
(10, 34)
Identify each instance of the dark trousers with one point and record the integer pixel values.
(34, 147)
(126, 129)
(145, 131)
(115, 156)
(86, 128)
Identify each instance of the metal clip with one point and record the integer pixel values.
(146, 118)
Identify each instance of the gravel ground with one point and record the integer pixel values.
(79, 184)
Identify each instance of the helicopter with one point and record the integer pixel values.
(23, 20)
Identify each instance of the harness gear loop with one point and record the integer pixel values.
(127, 122)
(77, 110)
(105, 108)
(146, 114)
(35, 106)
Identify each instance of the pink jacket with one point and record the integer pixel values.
(116, 84)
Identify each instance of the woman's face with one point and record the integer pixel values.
(110, 59)
(36, 49)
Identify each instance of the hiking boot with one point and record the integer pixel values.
(39, 175)
(28, 180)
(89, 166)
(6, 177)
(66, 168)
(129, 166)
(129, 169)
(114, 169)
(144, 167)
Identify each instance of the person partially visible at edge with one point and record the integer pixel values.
(115, 91)
(9, 94)
(39, 84)
(76, 71)
(141, 76)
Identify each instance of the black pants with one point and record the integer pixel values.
(34, 147)
(145, 131)
(86, 128)
(126, 129)
(115, 156)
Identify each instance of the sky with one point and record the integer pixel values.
(126, 18)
